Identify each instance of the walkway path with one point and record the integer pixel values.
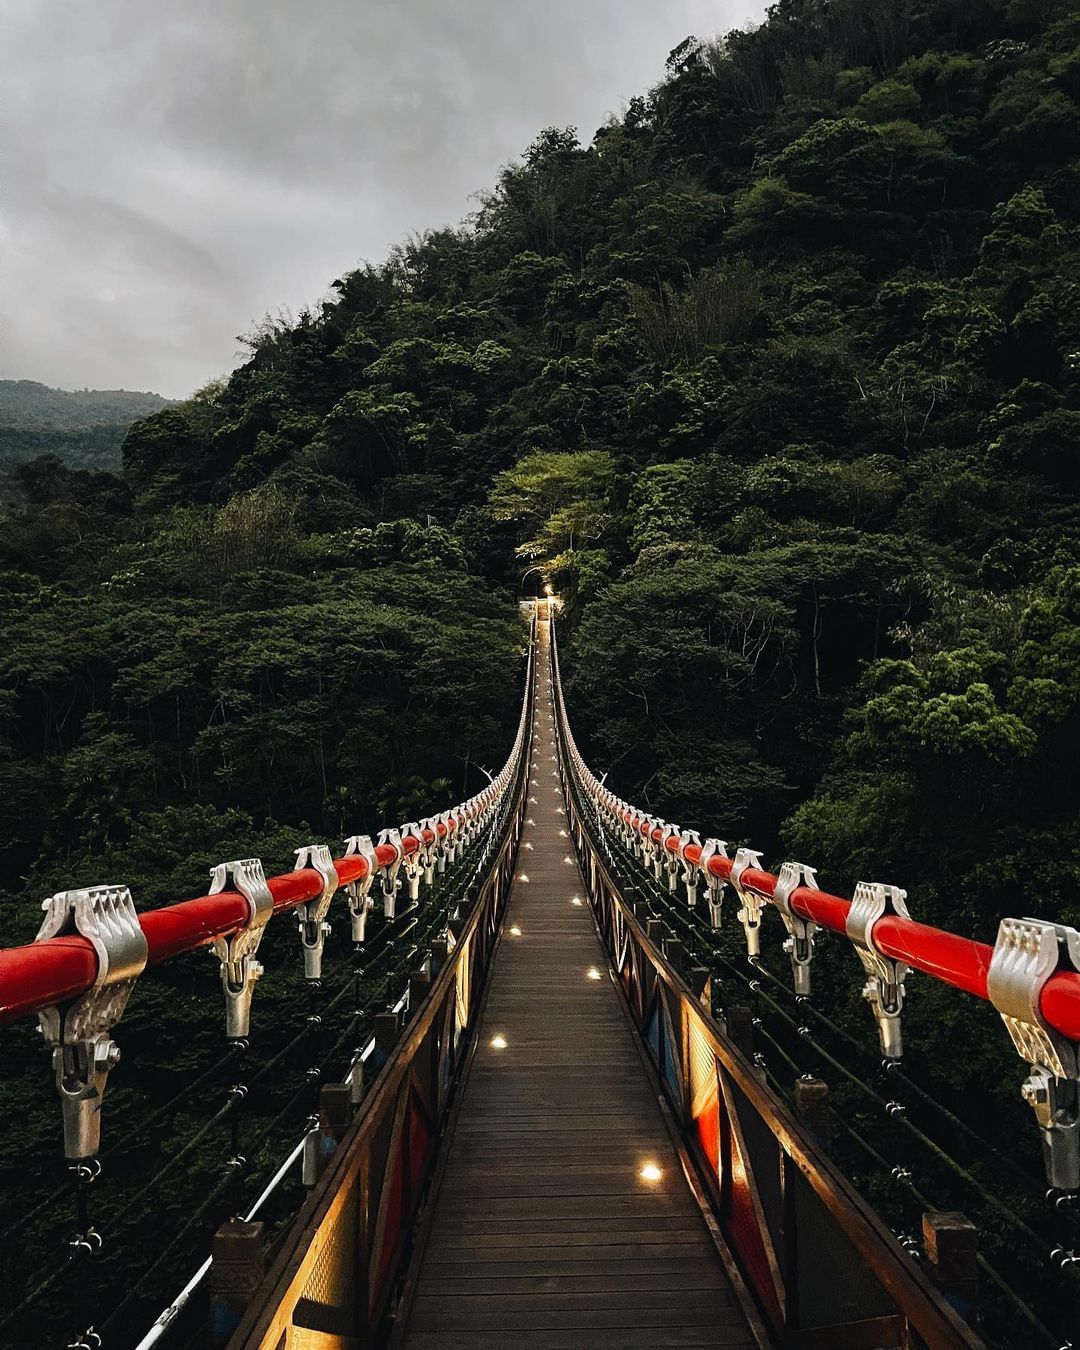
(548, 1231)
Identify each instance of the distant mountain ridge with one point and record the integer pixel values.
(84, 428)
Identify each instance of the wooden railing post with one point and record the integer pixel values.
(812, 1107)
(951, 1244)
(239, 1263)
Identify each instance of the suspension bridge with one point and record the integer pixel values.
(561, 1092)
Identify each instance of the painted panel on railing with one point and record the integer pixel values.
(704, 1098)
(743, 1215)
(672, 1074)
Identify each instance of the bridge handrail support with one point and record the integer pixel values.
(79, 1033)
(311, 915)
(1027, 954)
(240, 970)
(1035, 965)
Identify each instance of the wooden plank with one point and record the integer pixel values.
(544, 1232)
(527, 1312)
(620, 1338)
(610, 1278)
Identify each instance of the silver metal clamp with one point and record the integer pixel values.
(1026, 954)
(691, 872)
(391, 883)
(314, 930)
(359, 892)
(713, 848)
(800, 941)
(443, 843)
(884, 988)
(751, 902)
(413, 863)
(237, 953)
(83, 1050)
(429, 848)
(670, 859)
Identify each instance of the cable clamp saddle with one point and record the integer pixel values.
(79, 1032)
(240, 970)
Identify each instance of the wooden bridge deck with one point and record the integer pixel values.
(545, 1233)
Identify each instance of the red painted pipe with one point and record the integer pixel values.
(958, 961)
(41, 974)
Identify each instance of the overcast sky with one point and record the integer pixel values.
(171, 172)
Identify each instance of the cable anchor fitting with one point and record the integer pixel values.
(691, 872)
(391, 883)
(429, 848)
(314, 930)
(358, 892)
(1026, 954)
(713, 848)
(751, 902)
(83, 1051)
(800, 941)
(237, 953)
(670, 859)
(884, 988)
(413, 863)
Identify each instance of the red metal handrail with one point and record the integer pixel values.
(44, 974)
(958, 961)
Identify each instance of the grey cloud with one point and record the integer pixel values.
(171, 172)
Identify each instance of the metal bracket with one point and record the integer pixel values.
(751, 904)
(239, 968)
(669, 859)
(360, 901)
(800, 942)
(429, 849)
(83, 1050)
(1026, 954)
(314, 930)
(884, 988)
(389, 873)
(713, 848)
(650, 853)
(691, 874)
(413, 863)
(442, 842)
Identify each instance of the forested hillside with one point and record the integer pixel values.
(83, 429)
(776, 379)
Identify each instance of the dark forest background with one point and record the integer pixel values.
(776, 380)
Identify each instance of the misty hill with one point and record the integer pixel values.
(85, 427)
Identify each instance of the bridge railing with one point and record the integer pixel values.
(339, 1267)
(669, 954)
(92, 948)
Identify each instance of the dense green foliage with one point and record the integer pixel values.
(777, 381)
(76, 430)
